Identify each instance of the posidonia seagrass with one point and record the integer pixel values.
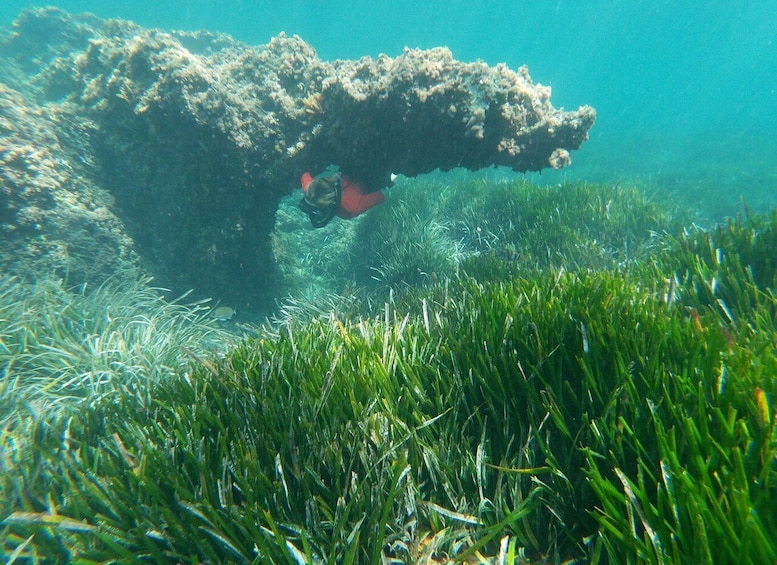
(609, 415)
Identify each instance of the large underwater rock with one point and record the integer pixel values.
(193, 138)
(53, 217)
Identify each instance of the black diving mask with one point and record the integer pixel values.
(319, 217)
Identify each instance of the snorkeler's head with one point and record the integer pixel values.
(322, 198)
(324, 192)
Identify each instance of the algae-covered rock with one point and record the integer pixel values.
(196, 136)
(53, 218)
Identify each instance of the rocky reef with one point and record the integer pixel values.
(169, 151)
(53, 216)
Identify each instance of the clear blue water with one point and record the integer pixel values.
(686, 92)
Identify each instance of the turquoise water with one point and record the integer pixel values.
(686, 93)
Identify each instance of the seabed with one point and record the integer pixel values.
(500, 373)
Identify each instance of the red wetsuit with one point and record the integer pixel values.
(353, 201)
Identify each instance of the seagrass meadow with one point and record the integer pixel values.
(582, 380)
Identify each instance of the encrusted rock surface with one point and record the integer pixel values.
(53, 218)
(192, 138)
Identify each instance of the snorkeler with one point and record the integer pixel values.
(331, 194)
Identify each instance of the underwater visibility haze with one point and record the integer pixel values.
(554, 341)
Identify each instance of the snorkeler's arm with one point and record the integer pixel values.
(305, 181)
(354, 201)
(367, 201)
